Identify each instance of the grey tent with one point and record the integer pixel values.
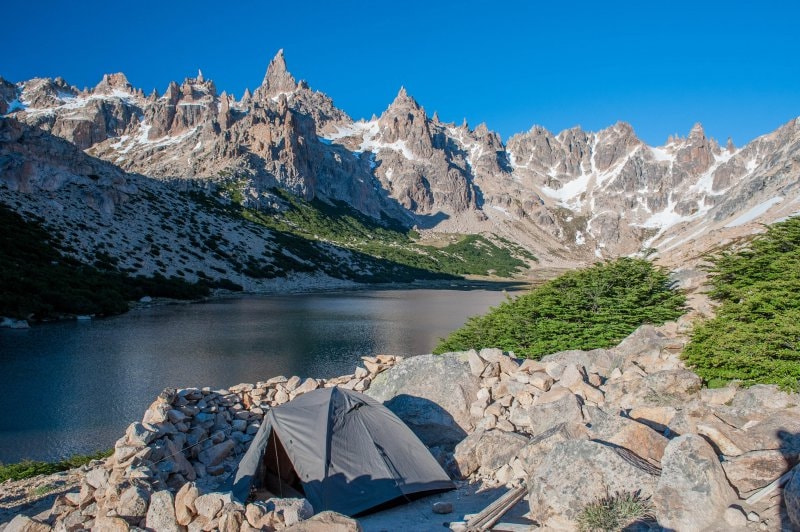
(345, 451)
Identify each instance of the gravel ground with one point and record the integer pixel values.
(418, 516)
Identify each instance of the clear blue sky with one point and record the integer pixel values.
(734, 66)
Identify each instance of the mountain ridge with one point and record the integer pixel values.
(570, 198)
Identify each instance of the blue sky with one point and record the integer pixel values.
(662, 66)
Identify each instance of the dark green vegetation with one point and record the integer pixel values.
(401, 257)
(29, 468)
(615, 512)
(39, 281)
(755, 336)
(584, 309)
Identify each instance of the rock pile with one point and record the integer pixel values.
(189, 442)
(574, 427)
(579, 425)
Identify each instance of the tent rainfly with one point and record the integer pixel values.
(343, 450)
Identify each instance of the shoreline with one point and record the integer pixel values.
(316, 286)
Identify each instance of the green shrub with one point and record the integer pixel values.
(30, 468)
(755, 335)
(614, 512)
(585, 309)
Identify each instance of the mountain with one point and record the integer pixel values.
(569, 198)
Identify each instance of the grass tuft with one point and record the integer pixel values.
(614, 512)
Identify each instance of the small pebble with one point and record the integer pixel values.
(442, 507)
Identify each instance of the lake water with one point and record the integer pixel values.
(73, 387)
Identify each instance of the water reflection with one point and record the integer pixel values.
(73, 387)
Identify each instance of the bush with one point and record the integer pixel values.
(614, 512)
(30, 468)
(585, 309)
(755, 336)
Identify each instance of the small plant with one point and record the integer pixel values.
(614, 512)
(43, 490)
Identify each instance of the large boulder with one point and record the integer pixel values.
(756, 469)
(540, 417)
(625, 432)
(577, 472)
(673, 388)
(161, 513)
(488, 450)
(534, 451)
(133, 504)
(431, 394)
(692, 492)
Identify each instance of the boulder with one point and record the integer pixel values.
(632, 435)
(133, 504)
(326, 522)
(111, 524)
(291, 510)
(756, 469)
(763, 397)
(538, 418)
(161, 513)
(735, 517)
(597, 360)
(718, 396)
(259, 515)
(217, 453)
(476, 363)
(209, 505)
(656, 417)
(664, 388)
(534, 451)
(22, 523)
(231, 518)
(489, 450)
(97, 477)
(577, 472)
(184, 503)
(413, 390)
(692, 492)
(780, 430)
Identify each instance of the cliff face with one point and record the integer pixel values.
(574, 196)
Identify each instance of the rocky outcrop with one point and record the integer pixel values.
(438, 415)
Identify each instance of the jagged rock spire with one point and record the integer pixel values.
(403, 99)
(114, 81)
(278, 79)
(697, 131)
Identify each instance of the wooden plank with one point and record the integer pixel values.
(766, 490)
(512, 527)
(492, 513)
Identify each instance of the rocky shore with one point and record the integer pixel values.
(573, 428)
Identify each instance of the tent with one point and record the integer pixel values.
(343, 450)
